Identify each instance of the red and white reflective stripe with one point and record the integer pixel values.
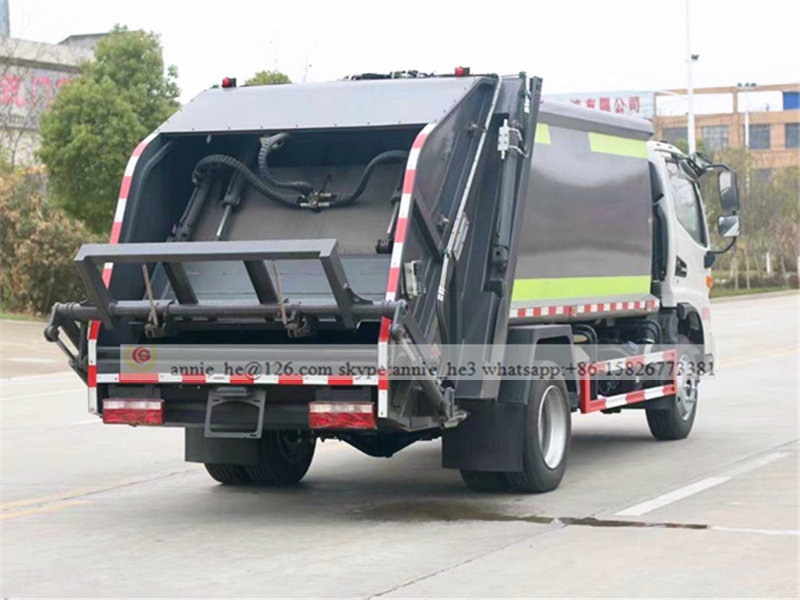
(234, 379)
(393, 283)
(91, 379)
(573, 310)
(543, 311)
(589, 404)
(125, 189)
(341, 415)
(403, 212)
(604, 402)
(116, 229)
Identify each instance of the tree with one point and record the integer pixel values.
(769, 213)
(268, 78)
(98, 118)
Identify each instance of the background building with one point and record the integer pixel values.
(771, 113)
(30, 75)
(767, 117)
(635, 103)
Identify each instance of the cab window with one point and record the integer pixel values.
(686, 198)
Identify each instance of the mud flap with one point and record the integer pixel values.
(490, 439)
(225, 451)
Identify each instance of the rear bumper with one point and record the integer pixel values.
(284, 406)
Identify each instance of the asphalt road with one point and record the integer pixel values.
(94, 510)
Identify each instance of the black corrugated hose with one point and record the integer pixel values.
(252, 178)
(383, 157)
(305, 191)
(268, 145)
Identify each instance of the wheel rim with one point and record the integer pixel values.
(552, 426)
(293, 446)
(686, 391)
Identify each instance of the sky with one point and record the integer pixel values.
(575, 46)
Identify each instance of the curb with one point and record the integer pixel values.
(780, 294)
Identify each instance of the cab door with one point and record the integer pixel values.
(688, 275)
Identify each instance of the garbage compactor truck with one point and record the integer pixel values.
(404, 215)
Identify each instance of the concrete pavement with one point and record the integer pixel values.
(94, 510)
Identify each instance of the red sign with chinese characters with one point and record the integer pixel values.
(25, 93)
(639, 104)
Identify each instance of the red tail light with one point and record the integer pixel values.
(229, 82)
(133, 411)
(341, 415)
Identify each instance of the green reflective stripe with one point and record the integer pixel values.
(542, 134)
(577, 287)
(612, 144)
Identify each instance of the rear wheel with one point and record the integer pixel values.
(675, 422)
(228, 474)
(547, 436)
(283, 457)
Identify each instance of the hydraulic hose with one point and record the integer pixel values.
(244, 171)
(383, 157)
(267, 146)
(307, 191)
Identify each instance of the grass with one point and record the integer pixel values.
(9, 316)
(721, 292)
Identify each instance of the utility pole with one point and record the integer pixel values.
(5, 24)
(745, 87)
(690, 58)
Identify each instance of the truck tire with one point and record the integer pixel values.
(485, 481)
(547, 436)
(675, 422)
(228, 474)
(283, 457)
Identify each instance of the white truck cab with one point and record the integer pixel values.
(687, 253)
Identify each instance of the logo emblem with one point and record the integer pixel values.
(140, 358)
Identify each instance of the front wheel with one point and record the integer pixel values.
(547, 436)
(283, 457)
(675, 422)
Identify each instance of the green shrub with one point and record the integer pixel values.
(38, 243)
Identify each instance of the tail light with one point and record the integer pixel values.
(133, 411)
(341, 415)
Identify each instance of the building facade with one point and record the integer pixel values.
(31, 74)
(771, 128)
(764, 117)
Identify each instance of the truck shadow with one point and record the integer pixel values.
(413, 487)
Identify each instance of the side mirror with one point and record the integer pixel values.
(728, 191)
(728, 227)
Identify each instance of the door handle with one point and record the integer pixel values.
(681, 270)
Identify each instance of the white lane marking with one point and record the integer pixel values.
(699, 486)
(693, 488)
(791, 532)
(756, 463)
(88, 421)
